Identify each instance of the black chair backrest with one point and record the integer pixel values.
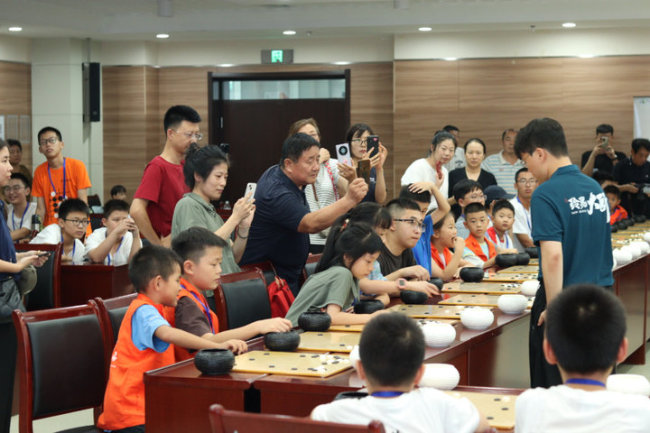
(267, 270)
(246, 301)
(116, 315)
(44, 294)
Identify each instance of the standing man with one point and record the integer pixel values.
(283, 221)
(15, 158)
(57, 179)
(504, 165)
(163, 183)
(603, 157)
(458, 160)
(525, 184)
(570, 216)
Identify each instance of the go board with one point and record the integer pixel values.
(528, 269)
(359, 328)
(519, 277)
(329, 341)
(499, 409)
(291, 363)
(476, 300)
(489, 288)
(429, 311)
(533, 262)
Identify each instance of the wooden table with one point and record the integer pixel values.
(631, 285)
(79, 283)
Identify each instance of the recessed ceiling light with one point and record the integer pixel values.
(341, 63)
(425, 29)
(289, 32)
(586, 56)
(451, 59)
(226, 65)
(15, 29)
(568, 25)
(162, 35)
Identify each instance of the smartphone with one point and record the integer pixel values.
(343, 154)
(250, 187)
(363, 170)
(604, 142)
(646, 188)
(43, 253)
(373, 145)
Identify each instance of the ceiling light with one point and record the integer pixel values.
(226, 65)
(586, 56)
(15, 29)
(289, 32)
(451, 59)
(341, 63)
(568, 25)
(425, 29)
(162, 35)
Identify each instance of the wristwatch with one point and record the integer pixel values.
(401, 283)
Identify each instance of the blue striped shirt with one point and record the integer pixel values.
(503, 171)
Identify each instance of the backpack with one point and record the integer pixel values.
(280, 297)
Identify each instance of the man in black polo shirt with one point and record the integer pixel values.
(282, 223)
(632, 174)
(603, 157)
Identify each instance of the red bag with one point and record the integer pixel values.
(280, 297)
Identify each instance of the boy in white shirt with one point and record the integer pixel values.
(585, 337)
(19, 210)
(69, 229)
(119, 239)
(391, 350)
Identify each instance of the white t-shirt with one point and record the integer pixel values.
(522, 223)
(52, 235)
(421, 410)
(18, 221)
(569, 410)
(421, 171)
(121, 256)
(325, 190)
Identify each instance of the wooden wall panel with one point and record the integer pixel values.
(16, 97)
(494, 94)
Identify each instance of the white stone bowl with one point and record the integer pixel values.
(634, 250)
(512, 304)
(643, 246)
(646, 236)
(629, 384)
(622, 256)
(476, 318)
(438, 334)
(529, 287)
(440, 376)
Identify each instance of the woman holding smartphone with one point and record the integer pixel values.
(206, 173)
(357, 138)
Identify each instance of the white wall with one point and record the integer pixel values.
(15, 49)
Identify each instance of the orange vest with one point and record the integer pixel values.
(124, 398)
(435, 255)
(189, 291)
(475, 246)
(619, 214)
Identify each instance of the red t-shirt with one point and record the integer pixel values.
(162, 185)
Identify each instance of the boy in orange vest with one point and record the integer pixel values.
(201, 252)
(478, 249)
(616, 211)
(145, 339)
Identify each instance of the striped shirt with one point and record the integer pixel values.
(503, 171)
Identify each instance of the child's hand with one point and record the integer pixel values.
(416, 272)
(423, 286)
(277, 324)
(422, 187)
(459, 244)
(237, 346)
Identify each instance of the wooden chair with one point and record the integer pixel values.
(310, 267)
(267, 268)
(241, 298)
(110, 313)
(232, 421)
(47, 293)
(60, 362)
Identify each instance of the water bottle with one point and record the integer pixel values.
(226, 205)
(36, 223)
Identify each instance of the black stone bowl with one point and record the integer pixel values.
(350, 394)
(317, 321)
(622, 225)
(368, 307)
(523, 259)
(437, 282)
(472, 274)
(282, 341)
(506, 260)
(614, 228)
(532, 252)
(640, 218)
(213, 362)
(630, 222)
(413, 297)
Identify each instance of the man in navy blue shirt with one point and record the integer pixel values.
(570, 219)
(632, 174)
(282, 223)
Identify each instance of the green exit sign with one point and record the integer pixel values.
(277, 56)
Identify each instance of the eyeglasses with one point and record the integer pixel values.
(527, 181)
(51, 140)
(14, 188)
(80, 223)
(476, 197)
(359, 140)
(415, 224)
(197, 135)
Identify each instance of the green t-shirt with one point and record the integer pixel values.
(193, 211)
(335, 285)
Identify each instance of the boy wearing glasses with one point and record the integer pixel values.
(118, 241)
(163, 184)
(57, 179)
(19, 210)
(69, 229)
(525, 183)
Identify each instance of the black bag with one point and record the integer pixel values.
(10, 300)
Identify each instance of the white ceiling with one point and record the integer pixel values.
(265, 19)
